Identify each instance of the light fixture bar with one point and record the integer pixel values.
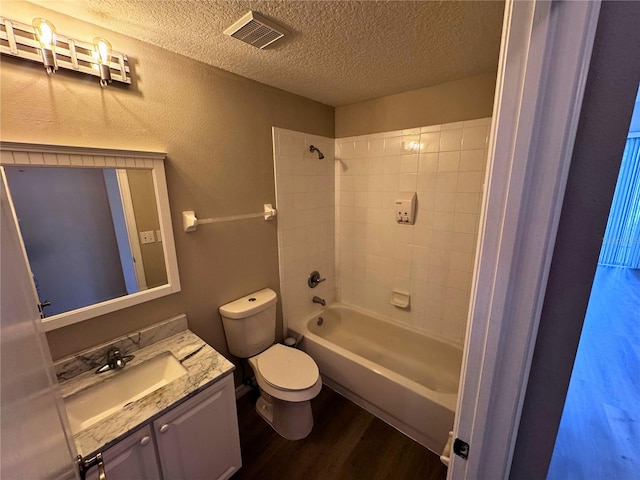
(18, 40)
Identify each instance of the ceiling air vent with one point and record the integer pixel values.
(255, 30)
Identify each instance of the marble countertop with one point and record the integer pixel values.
(204, 366)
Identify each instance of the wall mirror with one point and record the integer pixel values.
(95, 225)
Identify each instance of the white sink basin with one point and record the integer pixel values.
(128, 385)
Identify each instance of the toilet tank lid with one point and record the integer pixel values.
(249, 304)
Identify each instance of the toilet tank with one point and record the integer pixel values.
(250, 323)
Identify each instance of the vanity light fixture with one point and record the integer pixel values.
(39, 42)
(102, 53)
(45, 34)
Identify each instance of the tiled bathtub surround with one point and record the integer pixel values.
(305, 199)
(432, 259)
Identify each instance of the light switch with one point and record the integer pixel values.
(158, 236)
(147, 237)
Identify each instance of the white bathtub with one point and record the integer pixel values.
(405, 378)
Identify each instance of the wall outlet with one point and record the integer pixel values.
(147, 237)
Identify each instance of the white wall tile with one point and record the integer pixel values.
(430, 142)
(446, 182)
(449, 161)
(474, 137)
(465, 222)
(470, 182)
(452, 126)
(426, 183)
(431, 128)
(411, 144)
(445, 202)
(428, 162)
(341, 215)
(409, 163)
(450, 140)
(376, 147)
(408, 182)
(473, 160)
(477, 122)
(392, 164)
(468, 202)
(393, 145)
(361, 148)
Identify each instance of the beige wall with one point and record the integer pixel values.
(464, 99)
(216, 130)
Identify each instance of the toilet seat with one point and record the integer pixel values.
(286, 373)
(286, 368)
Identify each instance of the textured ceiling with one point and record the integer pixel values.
(338, 52)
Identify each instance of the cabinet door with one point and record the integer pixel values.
(132, 458)
(199, 439)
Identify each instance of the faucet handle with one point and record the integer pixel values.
(314, 279)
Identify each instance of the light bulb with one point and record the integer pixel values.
(102, 53)
(45, 34)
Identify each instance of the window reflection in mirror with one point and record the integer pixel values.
(91, 234)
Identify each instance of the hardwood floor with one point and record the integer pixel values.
(600, 428)
(347, 442)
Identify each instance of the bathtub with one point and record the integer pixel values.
(403, 377)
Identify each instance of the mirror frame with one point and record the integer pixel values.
(28, 154)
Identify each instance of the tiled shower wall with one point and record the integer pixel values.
(431, 260)
(305, 200)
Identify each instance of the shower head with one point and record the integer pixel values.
(316, 149)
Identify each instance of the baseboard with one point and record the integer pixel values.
(242, 390)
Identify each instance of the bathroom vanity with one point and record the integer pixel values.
(169, 413)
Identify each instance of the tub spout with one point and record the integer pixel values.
(319, 300)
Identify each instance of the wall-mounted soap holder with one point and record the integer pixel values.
(400, 299)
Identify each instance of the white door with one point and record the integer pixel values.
(34, 444)
(544, 59)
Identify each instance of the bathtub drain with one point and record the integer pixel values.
(320, 321)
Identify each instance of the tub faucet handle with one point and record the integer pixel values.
(314, 279)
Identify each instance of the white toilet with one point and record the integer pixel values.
(288, 378)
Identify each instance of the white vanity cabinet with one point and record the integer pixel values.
(198, 439)
(133, 457)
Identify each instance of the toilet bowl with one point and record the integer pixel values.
(287, 378)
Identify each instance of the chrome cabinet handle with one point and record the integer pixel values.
(101, 473)
(84, 466)
(145, 440)
(164, 428)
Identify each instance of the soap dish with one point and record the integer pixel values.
(400, 299)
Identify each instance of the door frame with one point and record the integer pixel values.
(132, 227)
(544, 59)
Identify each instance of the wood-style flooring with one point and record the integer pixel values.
(599, 436)
(347, 442)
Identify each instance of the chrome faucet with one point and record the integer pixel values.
(115, 361)
(319, 300)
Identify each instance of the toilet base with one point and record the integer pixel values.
(292, 420)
